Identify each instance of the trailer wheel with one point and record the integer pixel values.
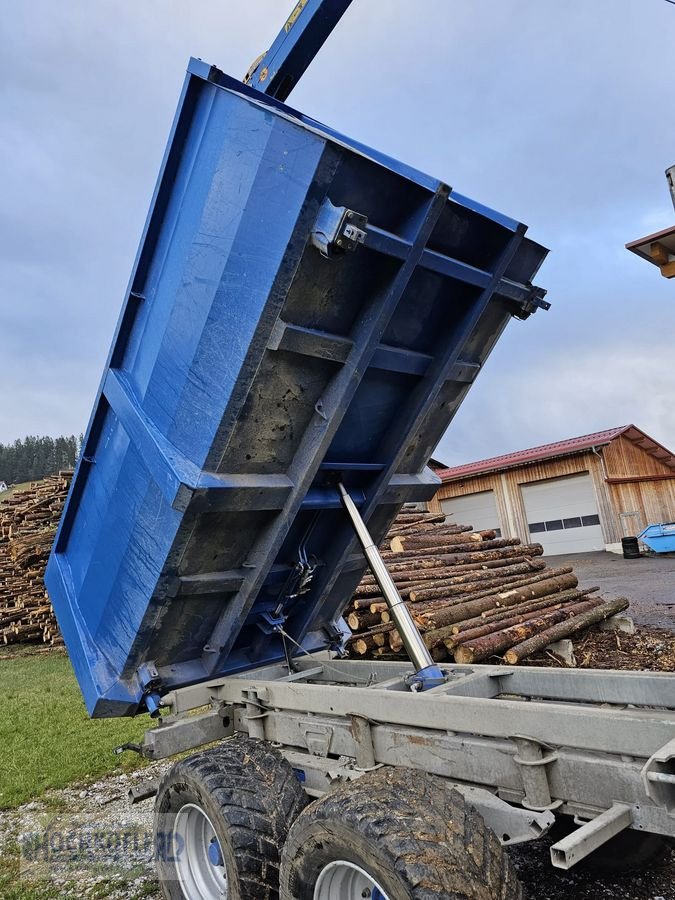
(221, 818)
(630, 851)
(394, 835)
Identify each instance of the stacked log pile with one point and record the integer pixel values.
(473, 596)
(28, 521)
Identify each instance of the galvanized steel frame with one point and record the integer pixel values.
(577, 742)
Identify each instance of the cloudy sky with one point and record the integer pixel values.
(557, 113)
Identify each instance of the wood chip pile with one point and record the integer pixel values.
(472, 595)
(28, 521)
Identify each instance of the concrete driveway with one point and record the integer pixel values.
(648, 582)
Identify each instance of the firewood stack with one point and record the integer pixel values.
(28, 521)
(472, 595)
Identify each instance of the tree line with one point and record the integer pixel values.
(32, 458)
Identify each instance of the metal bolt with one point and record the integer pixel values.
(366, 893)
(339, 242)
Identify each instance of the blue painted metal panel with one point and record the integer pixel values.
(659, 538)
(248, 372)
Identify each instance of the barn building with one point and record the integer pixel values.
(573, 496)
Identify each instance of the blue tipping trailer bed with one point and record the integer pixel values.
(301, 309)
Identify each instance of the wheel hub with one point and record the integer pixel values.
(343, 880)
(214, 853)
(200, 866)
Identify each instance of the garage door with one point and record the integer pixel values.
(562, 515)
(479, 510)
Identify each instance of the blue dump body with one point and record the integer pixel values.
(253, 365)
(659, 538)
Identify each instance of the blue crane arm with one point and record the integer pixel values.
(277, 71)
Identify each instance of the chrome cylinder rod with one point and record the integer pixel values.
(403, 621)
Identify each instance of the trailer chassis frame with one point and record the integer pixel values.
(524, 744)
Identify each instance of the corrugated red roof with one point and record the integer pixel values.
(534, 454)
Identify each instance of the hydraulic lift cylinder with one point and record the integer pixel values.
(427, 673)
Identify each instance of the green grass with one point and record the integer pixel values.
(47, 738)
(5, 495)
(12, 888)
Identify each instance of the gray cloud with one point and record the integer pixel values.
(546, 111)
(562, 396)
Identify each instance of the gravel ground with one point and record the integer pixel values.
(122, 869)
(648, 582)
(129, 875)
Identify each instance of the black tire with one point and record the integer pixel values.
(250, 795)
(630, 547)
(630, 851)
(416, 840)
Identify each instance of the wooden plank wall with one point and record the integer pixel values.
(506, 486)
(654, 501)
(624, 459)
(652, 498)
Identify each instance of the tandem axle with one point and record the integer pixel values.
(523, 744)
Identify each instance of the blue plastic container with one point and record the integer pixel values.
(659, 538)
(256, 361)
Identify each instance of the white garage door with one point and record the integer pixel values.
(562, 515)
(479, 510)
